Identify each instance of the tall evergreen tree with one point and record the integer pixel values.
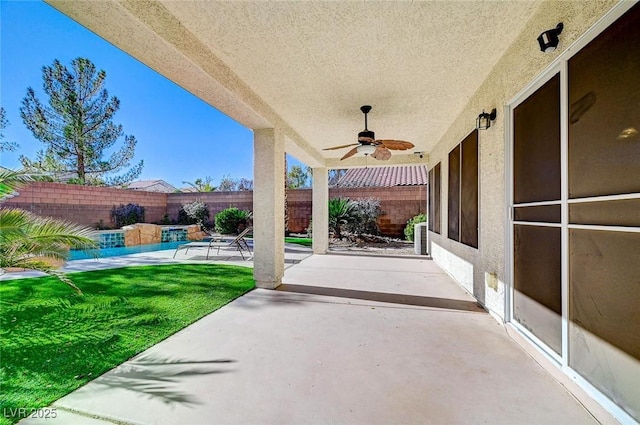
(335, 175)
(5, 145)
(298, 177)
(77, 126)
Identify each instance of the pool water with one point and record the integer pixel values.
(125, 250)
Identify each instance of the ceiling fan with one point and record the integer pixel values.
(368, 145)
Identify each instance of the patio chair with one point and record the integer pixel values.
(239, 244)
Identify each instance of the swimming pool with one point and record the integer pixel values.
(125, 250)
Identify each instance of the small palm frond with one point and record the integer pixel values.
(46, 230)
(27, 240)
(11, 180)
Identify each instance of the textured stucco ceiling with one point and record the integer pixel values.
(307, 67)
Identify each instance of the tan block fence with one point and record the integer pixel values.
(89, 205)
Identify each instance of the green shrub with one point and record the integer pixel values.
(408, 230)
(166, 220)
(232, 221)
(127, 214)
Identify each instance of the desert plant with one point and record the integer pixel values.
(196, 212)
(232, 221)
(364, 215)
(127, 214)
(409, 228)
(340, 213)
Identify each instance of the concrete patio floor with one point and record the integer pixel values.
(345, 340)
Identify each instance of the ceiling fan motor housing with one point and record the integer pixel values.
(366, 137)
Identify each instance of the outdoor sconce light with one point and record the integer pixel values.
(366, 149)
(549, 39)
(484, 119)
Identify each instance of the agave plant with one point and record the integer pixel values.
(340, 213)
(32, 242)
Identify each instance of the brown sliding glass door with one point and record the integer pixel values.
(604, 212)
(537, 274)
(575, 213)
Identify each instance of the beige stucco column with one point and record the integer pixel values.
(268, 207)
(320, 211)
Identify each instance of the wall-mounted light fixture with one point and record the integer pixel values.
(484, 119)
(549, 39)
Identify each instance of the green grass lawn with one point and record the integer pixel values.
(299, 241)
(54, 340)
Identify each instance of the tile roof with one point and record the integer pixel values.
(407, 175)
(151, 186)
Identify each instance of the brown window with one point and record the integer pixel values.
(434, 199)
(463, 191)
(454, 194)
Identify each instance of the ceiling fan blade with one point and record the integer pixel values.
(350, 153)
(340, 147)
(381, 153)
(399, 145)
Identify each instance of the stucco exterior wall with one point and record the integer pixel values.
(518, 67)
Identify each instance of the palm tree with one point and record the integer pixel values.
(32, 242)
(202, 185)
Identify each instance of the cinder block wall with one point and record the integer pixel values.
(299, 201)
(216, 201)
(398, 204)
(85, 205)
(88, 205)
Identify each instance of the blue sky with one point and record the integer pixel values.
(180, 137)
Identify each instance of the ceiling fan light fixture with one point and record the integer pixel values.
(366, 149)
(369, 146)
(366, 136)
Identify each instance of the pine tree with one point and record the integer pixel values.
(5, 145)
(77, 126)
(298, 177)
